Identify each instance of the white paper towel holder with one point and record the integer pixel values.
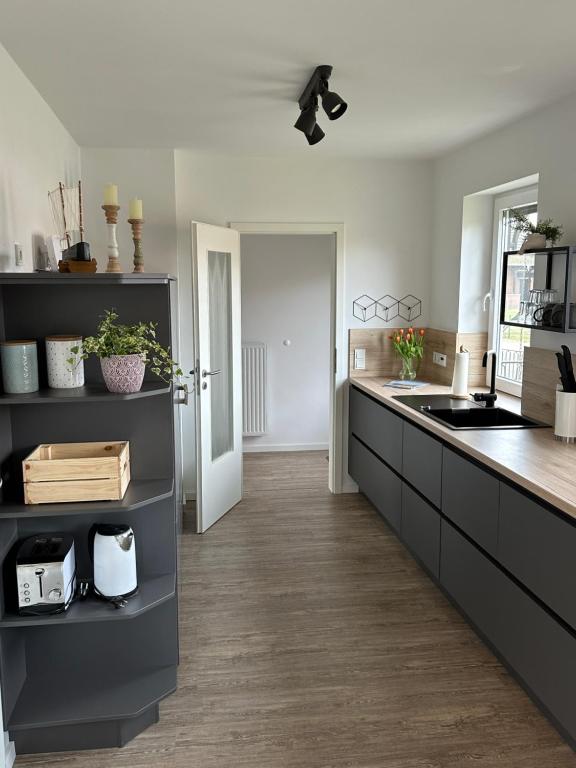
(466, 395)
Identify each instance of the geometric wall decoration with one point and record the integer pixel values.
(410, 308)
(387, 308)
(364, 308)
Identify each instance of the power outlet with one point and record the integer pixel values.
(439, 359)
(18, 257)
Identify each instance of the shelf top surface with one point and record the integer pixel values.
(90, 393)
(97, 278)
(554, 249)
(140, 493)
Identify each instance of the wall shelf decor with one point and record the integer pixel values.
(108, 669)
(387, 308)
(537, 286)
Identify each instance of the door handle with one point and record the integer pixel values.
(210, 373)
(184, 399)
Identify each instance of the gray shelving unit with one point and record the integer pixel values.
(93, 676)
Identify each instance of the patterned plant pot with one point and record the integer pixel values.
(123, 373)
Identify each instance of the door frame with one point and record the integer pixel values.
(338, 334)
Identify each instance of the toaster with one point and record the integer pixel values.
(45, 573)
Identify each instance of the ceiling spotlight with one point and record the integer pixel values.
(332, 104)
(316, 135)
(307, 120)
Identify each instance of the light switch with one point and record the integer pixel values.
(359, 359)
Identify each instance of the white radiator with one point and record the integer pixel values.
(254, 388)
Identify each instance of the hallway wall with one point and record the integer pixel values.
(286, 282)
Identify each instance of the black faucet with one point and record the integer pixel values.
(488, 397)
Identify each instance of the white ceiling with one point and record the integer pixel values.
(420, 76)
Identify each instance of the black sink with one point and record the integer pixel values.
(465, 414)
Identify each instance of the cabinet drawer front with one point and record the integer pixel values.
(376, 481)
(539, 548)
(376, 426)
(471, 498)
(422, 462)
(536, 646)
(421, 529)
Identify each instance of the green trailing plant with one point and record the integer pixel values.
(113, 338)
(552, 232)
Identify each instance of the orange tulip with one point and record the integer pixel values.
(408, 337)
(422, 331)
(401, 331)
(398, 339)
(410, 330)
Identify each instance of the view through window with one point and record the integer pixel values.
(510, 340)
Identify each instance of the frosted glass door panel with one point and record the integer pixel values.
(221, 385)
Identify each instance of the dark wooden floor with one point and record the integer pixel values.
(310, 639)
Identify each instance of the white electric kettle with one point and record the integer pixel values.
(113, 552)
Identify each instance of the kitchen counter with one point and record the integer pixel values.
(532, 458)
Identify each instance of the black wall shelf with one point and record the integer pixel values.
(537, 286)
(92, 676)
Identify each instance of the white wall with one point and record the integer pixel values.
(542, 143)
(36, 152)
(144, 173)
(286, 286)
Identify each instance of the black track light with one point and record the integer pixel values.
(316, 135)
(307, 120)
(332, 103)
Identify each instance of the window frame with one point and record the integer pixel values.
(513, 199)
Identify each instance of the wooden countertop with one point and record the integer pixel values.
(532, 458)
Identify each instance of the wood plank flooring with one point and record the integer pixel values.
(311, 639)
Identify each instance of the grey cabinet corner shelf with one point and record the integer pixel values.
(140, 493)
(153, 591)
(93, 676)
(91, 393)
(107, 691)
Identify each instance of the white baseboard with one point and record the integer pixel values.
(278, 447)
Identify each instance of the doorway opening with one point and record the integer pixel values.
(292, 305)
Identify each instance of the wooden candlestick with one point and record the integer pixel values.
(136, 225)
(111, 212)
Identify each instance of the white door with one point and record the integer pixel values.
(218, 371)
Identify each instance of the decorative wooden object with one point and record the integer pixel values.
(111, 212)
(136, 225)
(78, 266)
(62, 472)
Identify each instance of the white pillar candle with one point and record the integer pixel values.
(111, 194)
(135, 209)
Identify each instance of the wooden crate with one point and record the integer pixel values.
(60, 472)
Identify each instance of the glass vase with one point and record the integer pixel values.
(408, 370)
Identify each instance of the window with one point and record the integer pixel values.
(509, 342)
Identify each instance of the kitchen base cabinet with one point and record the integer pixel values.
(537, 648)
(421, 529)
(376, 481)
(376, 427)
(422, 463)
(538, 547)
(471, 498)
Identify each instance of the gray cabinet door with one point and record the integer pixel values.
(421, 529)
(533, 643)
(422, 462)
(376, 481)
(539, 548)
(471, 498)
(376, 426)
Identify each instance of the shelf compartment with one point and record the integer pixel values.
(153, 591)
(91, 393)
(537, 287)
(140, 493)
(97, 692)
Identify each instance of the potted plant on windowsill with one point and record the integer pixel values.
(541, 235)
(410, 347)
(125, 351)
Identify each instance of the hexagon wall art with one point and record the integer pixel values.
(387, 308)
